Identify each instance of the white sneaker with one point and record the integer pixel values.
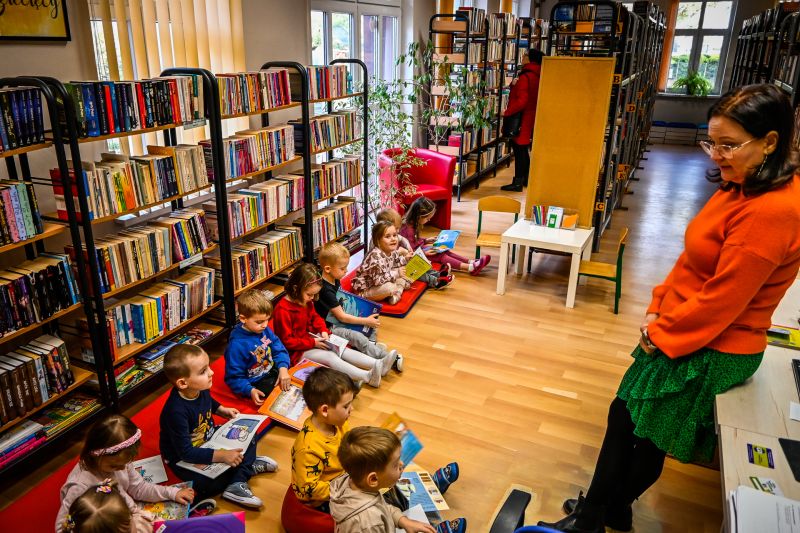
(375, 373)
(388, 362)
(240, 493)
(398, 364)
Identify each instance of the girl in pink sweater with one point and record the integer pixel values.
(111, 444)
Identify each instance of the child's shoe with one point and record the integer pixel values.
(445, 270)
(240, 493)
(457, 525)
(398, 364)
(445, 476)
(374, 376)
(203, 508)
(388, 362)
(264, 465)
(444, 281)
(479, 264)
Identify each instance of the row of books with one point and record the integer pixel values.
(19, 212)
(32, 374)
(496, 22)
(476, 16)
(334, 220)
(152, 360)
(35, 290)
(327, 131)
(335, 176)
(258, 205)
(253, 150)
(473, 50)
(160, 308)
(495, 51)
(21, 118)
(119, 183)
(248, 92)
(262, 256)
(109, 107)
(584, 19)
(31, 434)
(331, 81)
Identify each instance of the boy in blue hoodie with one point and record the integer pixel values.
(255, 359)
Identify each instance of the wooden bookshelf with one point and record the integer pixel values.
(26, 149)
(268, 224)
(323, 100)
(263, 111)
(122, 134)
(81, 377)
(50, 229)
(63, 312)
(173, 266)
(259, 281)
(249, 175)
(338, 236)
(332, 148)
(340, 191)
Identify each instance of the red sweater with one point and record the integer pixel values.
(524, 97)
(741, 255)
(294, 324)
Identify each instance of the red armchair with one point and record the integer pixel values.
(434, 181)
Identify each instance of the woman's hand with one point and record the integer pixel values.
(649, 317)
(646, 346)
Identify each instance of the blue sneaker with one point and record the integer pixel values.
(446, 476)
(457, 525)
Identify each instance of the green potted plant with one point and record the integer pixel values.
(695, 84)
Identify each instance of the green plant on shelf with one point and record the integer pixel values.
(694, 83)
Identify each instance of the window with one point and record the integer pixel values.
(702, 34)
(379, 38)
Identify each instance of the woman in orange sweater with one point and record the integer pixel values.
(705, 328)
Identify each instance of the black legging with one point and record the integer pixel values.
(522, 163)
(627, 465)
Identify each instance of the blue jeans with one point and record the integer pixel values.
(205, 487)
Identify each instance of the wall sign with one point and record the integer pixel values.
(34, 20)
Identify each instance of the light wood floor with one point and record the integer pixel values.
(516, 387)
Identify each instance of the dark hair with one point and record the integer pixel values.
(105, 433)
(419, 208)
(176, 359)
(325, 386)
(101, 509)
(535, 56)
(366, 449)
(379, 229)
(760, 109)
(302, 276)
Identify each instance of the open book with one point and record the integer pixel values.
(233, 434)
(410, 444)
(356, 306)
(334, 343)
(168, 509)
(151, 469)
(418, 486)
(446, 240)
(288, 407)
(417, 265)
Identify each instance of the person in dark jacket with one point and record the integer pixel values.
(523, 98)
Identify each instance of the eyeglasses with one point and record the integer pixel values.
(724, 150)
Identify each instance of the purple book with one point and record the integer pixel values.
(215, 523)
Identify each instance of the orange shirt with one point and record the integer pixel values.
(740, 256)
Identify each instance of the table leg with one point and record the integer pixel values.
(501, 270)
(520, 262)
(573, 280)
(586, 256)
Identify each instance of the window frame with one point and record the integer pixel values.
(698, 34)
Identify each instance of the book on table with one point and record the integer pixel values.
(289, 407)
(356, 306)
(417, 265)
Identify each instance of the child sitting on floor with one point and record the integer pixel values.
(303, 331)
(333, 259)
(187, 423)
(110, 446)
(255, 358)
(370, 457)
(102, 508)
(419, 213)
(435, 279)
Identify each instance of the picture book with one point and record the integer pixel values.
(151, 469)
(784, 337)
(410, 444)
(168, 509)
(233, 434)
(334, 343)
(446, 240)
(288, 407)
(419, 488)
(218, 523)
(417, 265)
(414, 513)
(356, 306)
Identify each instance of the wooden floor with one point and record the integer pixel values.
(516, 387)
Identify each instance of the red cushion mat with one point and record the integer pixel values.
(401, 308)
(38, 508)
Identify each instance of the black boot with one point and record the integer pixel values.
(618, 520)
(513, 187)
(585, 518)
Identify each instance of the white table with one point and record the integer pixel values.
(523, 234)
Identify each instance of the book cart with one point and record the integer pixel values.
(62, 403)
(608, 29)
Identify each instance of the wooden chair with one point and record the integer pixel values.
(494, 204)
(609, 271)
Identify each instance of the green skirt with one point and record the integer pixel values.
(671, 401)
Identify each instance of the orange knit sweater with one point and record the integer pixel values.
(741, 255)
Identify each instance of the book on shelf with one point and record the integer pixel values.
(189, 164)
(249, 92)
(19, 436)
(330, 222)
(252, 150)
(168, 509)
(21, 118)
(111, 107)
(19, 213)
(325, 81)
(190, 232)
(66, 412)
(417, 265)
(335, 176)
(355, 305)
(476, 17)
(36, 290)
(329, 130)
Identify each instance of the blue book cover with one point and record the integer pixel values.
(446, 240)
(356, 306)
(4, 133)
(90, 110)
(156, 351)
(19, 220)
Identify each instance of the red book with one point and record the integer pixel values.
(175, 102)
(109, 109)
(142, 109)
(22, 450)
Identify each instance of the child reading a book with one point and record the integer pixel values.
(304, 333)
(110, 446)
(187, 423)
(255, 358)
(333, 259)
(420, 213)
(370, 457)
(102, 508)
(435, 279)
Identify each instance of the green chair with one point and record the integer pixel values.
(611, 272)
(494, 204)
